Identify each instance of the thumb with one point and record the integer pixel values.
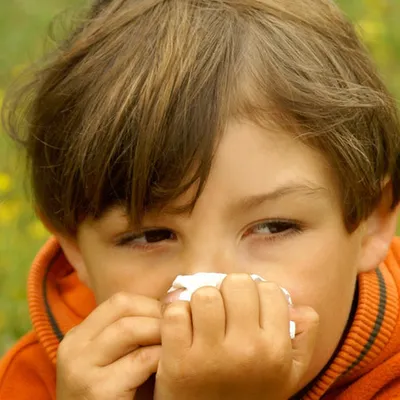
(169, 298)
(303, 345)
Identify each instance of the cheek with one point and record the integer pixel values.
(110, 273)
(324, 276)
(316, 268)
(326, 282)
(329, 289)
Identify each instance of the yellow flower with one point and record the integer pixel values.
(5, 182)
(9, 211)
(371, 30)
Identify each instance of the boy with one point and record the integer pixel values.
(233, 136)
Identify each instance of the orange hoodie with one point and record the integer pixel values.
(366, 366)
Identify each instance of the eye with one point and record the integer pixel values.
(274, 229)
(151, 236)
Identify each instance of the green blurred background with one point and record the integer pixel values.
(23, 30)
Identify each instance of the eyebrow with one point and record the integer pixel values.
(302, 189)
(307, 189)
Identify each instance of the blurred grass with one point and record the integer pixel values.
(23, 27)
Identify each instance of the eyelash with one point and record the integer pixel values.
(292, 228)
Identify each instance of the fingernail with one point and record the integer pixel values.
(172, 296)
(292, 329)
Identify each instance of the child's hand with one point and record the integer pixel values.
(234, 344)
(103, 357)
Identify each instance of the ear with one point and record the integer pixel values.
(74, 256)
(71, 250)
(378, 231)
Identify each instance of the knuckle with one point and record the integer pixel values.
(237, 278)
(176, 312)
(270, 287)
(144, 356)
(248, 352)
(121, 301)
(124, 327)
(206, 294)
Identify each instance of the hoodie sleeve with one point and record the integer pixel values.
(390, 392)
(26, 373)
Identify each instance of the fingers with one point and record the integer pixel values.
(134, 369)
(239, 307)
(208, 317)
(274, 308)
(118, 306)
(307, 325)
(176, 329)
(113, 351)
(122, 337)
(242, 304)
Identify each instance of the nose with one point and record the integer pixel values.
(210, 255)
(214, 257)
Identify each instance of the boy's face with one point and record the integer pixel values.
(270, 207)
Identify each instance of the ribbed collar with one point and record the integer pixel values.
(57, 300)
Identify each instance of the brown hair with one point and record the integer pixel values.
(140, 92)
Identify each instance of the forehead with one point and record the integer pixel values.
(250, 157)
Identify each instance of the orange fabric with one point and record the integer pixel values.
(366, 367)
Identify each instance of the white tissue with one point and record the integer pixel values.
(193, 282)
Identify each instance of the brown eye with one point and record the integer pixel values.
(274, 227)
(157, 235)
(147, 237)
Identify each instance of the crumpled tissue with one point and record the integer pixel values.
(190, 283)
